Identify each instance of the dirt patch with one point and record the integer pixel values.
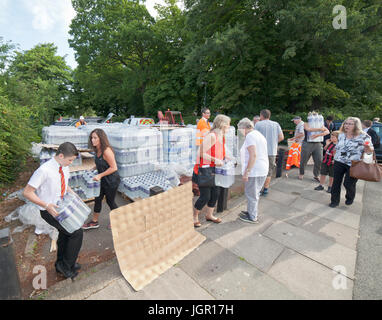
(26, 262)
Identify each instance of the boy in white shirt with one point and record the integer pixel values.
(46, 187)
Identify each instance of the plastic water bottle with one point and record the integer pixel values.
(225, 175)
(73, 212)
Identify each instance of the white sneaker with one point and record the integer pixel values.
(249, 220)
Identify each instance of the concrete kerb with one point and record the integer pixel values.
(84, 284)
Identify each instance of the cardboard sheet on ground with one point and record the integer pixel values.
(153, 234)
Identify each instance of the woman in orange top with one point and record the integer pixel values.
(211, 153)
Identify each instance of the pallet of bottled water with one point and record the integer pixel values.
(128, 170)
(47, 154)
(59, 134)
(136, 149)
(179, 145)
(194, 146)
(107, 127)
(315, 120)
(231, 141)
(83, 184)
(225, 175)
(127, 137)
(139, 186)
(179, 154)
(139, 155)
(72, 212)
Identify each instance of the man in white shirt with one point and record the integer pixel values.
(299, 132)
(272, 132)
(46, 187)
(255, 166)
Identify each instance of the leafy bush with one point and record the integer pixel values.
(16, 135)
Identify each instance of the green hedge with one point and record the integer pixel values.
(16, 134)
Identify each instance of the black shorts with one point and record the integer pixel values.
(325, 170)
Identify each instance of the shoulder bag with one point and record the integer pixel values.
(366, 171)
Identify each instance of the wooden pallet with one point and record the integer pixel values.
(89, 200)
(127, 198)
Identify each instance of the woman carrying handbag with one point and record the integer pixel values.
(352, 143)
(210, 154)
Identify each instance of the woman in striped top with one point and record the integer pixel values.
(352, 142)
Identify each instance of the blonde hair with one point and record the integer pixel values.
(357, 126)
(220, 121)
(335, 133)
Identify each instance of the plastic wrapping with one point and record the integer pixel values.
(136, 149)
(134, 137)
(61, 134)
(19, 195)
(315, 120)
(179, 146)
(139, 186)
(35, 150)
(29, 214)
(225, 175)
(72, 212)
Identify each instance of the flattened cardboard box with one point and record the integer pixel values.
(153, 234)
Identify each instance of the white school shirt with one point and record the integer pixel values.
(260, 169)
(47, 181)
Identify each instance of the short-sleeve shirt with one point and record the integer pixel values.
(271, 131)
(299, 129)
(350, 149)
(47, 181)
(260, 169)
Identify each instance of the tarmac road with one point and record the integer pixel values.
(368, 283)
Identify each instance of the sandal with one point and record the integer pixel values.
(197, 224)
(216, 220)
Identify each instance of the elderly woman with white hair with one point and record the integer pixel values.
(255, 165)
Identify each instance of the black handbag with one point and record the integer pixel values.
(206, 177)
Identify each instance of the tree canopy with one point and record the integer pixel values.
(236, 57)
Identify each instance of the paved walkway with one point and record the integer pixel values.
(302, 249)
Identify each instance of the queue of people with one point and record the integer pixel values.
(332, 156)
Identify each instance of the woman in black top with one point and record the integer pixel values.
(107, 173)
